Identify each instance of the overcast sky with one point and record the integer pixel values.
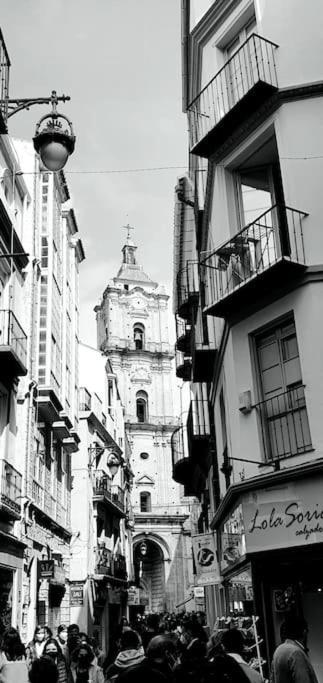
(119, 60)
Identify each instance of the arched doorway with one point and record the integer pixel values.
(150, 570)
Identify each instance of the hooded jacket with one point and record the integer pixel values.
(124, 660)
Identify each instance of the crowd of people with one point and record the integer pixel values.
(165, 648)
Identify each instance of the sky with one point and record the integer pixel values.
(120, 62)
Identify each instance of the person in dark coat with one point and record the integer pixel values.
(53, 651)
(131, 653)
(291, 663)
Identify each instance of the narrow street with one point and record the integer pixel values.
(161, 441)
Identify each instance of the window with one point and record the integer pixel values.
(282, 410)
(241, 65)
(139, 335)
(145, 501)
(142, 406)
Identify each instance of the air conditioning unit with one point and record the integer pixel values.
(245, 401)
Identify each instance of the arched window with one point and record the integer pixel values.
(142, 406)
(145, 501)
(139, 336)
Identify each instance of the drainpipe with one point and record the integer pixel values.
(185, 52)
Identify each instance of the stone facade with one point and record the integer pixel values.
(133, 332)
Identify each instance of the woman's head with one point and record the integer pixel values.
(40, 634)
(83, 655)
(52, 649)
(11, 644)
(62, 633)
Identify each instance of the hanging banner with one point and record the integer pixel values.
(207, 568)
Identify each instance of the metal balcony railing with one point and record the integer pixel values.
(12, 335)
(37, 494)
(102, 487)
(4, 78)
(84, 399)
(284, 424)
(11, 486)
(183, 335)
(178, 445)
(252, 64)
(275, 236)
(199, 417)
(103, 560)
(183, 364)
(187, 287)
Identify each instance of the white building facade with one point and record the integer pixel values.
(133, 333)
(253, 96)
(47, 406)
(101, 561)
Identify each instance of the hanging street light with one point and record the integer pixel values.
(52, 142)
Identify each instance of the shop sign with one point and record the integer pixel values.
(207, 568)
(59, 575)
(284, 517)
(199, 592)
(233, 542)
(133, 596)
(76, 593)
(46, 569)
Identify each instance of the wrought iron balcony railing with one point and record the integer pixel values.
(187, 286)
(105, 563)
(11, 486)
(13, 341)
(183, 364)
(265, 251)
(250, 74)
(183, 335)
(284, 424)
(102, 487)
(199, 418)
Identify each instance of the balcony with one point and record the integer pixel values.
(204, 354)
(244, 83)
(284, 425)
(13, 345)
(258, 262)
(4, 84)
(187, 287)
(84, 400)
(199, 432)
(183, 467)
(105, 492)
(109, 566)
(183, 335)
(183, 366)
(11, 486)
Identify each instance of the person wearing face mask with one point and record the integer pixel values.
(83, 669)
(192, 659)
(53, 651)
(34, 649)
(62, 638)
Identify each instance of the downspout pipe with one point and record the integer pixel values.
(185, 20)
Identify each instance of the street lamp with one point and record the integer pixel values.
(113, 460)
(52, 142)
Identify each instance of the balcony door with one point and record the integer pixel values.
(241, 58)
(284, 422)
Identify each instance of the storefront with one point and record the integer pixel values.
(11, 568)
(270, 548)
